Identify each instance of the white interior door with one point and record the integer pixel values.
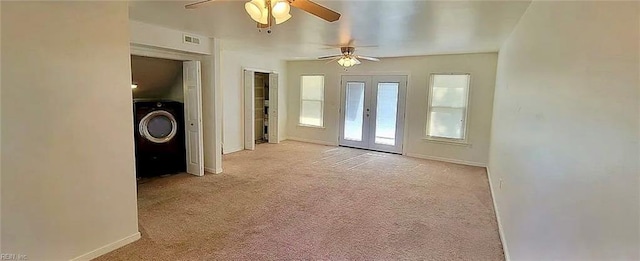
(273, 108)
(193, 117)
(249, 111)
(372, 112)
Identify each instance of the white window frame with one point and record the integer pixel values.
(465, 124)
(321, 103)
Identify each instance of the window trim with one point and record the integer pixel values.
(301, 100)
(465, 126)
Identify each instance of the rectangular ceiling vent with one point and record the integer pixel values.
(191, 39)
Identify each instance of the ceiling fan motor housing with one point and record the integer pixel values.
(347, 50)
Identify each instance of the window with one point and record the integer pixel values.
(312, 100)
(447, 115)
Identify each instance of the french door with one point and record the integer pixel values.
(372, 112)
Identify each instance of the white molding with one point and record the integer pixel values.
(164, 53)
(212, 170)
(259, 70)
(320, 142)
(108, 248)
(505, 249)
(456, 161)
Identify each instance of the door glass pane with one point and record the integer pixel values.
(354, 109)
(386, 113)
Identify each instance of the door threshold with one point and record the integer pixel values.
(396, 153)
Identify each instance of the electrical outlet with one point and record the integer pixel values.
(500, 184)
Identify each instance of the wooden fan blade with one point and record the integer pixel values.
(316, 9)
(368, 58)
(357, 61)
(329, 57)
(198, 4)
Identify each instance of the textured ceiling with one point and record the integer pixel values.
(393, 27)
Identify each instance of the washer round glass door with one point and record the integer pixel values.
(158, 126)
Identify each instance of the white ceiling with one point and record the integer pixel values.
(394, 27)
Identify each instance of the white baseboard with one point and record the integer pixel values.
(213, 171)
(321, 142)
(456, 161)
(108, 248)
(500, 230)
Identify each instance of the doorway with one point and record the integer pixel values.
(167, 111)
(260, 108)
(372, 112)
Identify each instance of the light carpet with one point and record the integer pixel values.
(297, 201)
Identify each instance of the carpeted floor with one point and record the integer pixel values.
(302, 201)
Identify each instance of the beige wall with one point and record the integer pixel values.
(167, 38)
(481, 66)
(232, 64)
(68, 182)
(565, 135)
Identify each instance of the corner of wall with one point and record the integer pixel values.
(108, 248)
(503, 240)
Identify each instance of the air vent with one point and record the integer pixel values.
(191, 39)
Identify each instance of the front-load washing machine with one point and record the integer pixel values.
(159, 137)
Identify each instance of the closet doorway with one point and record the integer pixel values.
(372, 112)
(260, 108)
(167, 112)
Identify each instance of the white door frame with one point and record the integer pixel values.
(369, 111)
(248, 78)
(248, 83)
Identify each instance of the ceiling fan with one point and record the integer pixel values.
(348, 58)
(266, 12)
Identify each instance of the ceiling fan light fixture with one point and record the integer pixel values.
(256, 10)
(280, 8)
(266, 12)
(346, 62)
(283, 19)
